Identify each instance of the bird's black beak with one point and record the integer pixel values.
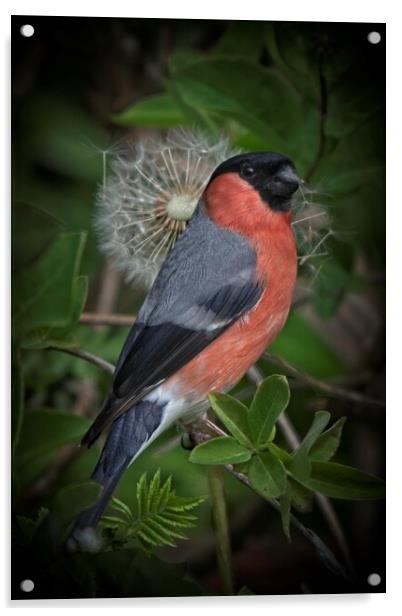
(285, 182)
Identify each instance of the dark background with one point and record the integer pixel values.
(68, 80)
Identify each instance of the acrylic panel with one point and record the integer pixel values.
(198, 254)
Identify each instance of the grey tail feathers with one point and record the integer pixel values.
(127, 434)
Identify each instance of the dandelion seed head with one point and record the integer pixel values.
(150, 191)
(312, 226)
(181, 207)
(148, 195)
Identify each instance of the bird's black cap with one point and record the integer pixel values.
(271, 174)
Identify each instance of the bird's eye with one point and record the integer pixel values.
(247, 171)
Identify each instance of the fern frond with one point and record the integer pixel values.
(162, 517)
(122, 508)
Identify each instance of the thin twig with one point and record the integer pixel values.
(89, 357)
(123, 320)
(323, 502)
(332, 391)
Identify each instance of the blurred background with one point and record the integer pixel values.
(314, 92)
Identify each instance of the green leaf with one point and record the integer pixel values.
(73, 499)
(233, 414)
(241, 38)
(154, 490)
(164, 495)
(195, 115)
(184, 503)
(280, 453)
(220, 450)
(321, 419)
(239, 89)
(270, 400)
(300, 465)
(157, 111)
(267, 475)
(289, 45)
(339, 481)
(327, 444)
(301, 497)
(44, 337)
(44, 431)
(113, 521)
(124, 509)
(43, 295)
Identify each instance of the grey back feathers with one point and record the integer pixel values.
(206, 257)
(207, 282)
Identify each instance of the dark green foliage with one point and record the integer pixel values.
(272, 471)
(49, 296)
(303, 89)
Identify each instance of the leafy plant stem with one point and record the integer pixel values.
(324, 504)
(221, 528)
(289, 433)
(323, 551)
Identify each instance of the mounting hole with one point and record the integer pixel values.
(27, 30)
(27, 585)
(374, 579)
(374, 38)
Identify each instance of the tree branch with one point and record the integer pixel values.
(332, 391)
(89, 357)
(122, 320)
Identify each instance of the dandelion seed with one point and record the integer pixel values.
(148, 196)
(312, 228)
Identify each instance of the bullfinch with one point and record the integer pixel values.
(221, 297)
